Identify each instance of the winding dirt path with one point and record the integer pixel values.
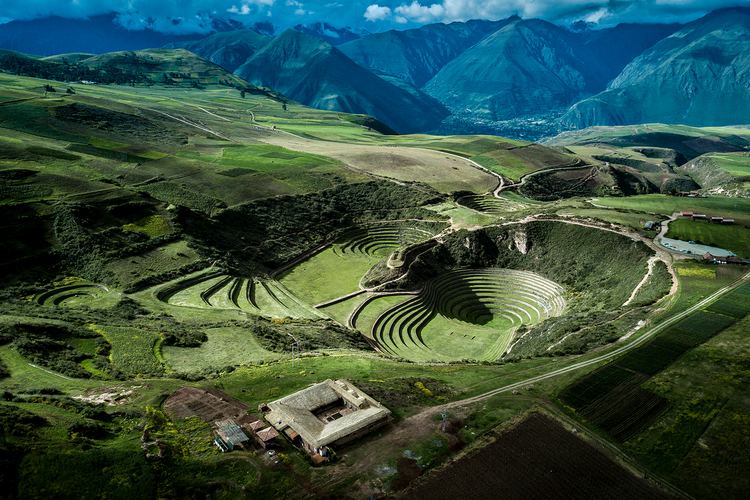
(649, 272)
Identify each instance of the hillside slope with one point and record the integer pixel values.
(416, 55)
(228, 49)
(317, 74)
(169, 66)
(697, 76)
(523, 68)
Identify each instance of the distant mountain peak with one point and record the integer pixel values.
(328, 32)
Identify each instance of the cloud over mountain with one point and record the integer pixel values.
(196, 16)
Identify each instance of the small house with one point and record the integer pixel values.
(229, 435)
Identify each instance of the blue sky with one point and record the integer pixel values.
(372, 15)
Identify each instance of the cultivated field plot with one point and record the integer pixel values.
(536, 459)
(445, 173)
(338, 270)
(467, 314)
(612, 397)
(210, 289)
(208, 405)
(736, 208)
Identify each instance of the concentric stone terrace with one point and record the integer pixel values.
(79, 294)
(467, 314)
(378, 240)
(215, 290)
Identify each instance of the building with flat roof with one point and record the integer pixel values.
(229, 435)
(326, 414)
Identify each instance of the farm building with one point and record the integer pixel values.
(730, 259)
(326, 414)
(229, 435)
(650, 225)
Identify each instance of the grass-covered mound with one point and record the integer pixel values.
(597, 269)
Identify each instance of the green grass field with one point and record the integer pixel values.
(230, 346)
(737, 208)
(135, 352)
(730, 237)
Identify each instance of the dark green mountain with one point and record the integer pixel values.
(416, 55)
(328, 32)
(171, 67)
(315, 73)
(611, 49)
(700, 75)
(228, 49)
(523, 68)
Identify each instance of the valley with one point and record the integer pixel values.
(193, 226)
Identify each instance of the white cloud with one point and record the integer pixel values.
(241, 11)
(377, 12)
(422, 13)
(401, 20)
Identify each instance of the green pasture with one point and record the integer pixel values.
(226, 346)
(328, 274)
(135, 351)
(731, 237)
(736, 208)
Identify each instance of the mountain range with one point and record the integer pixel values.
(520, 77)
(316, 73)
(700, 75)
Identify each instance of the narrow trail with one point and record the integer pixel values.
(649, 272)
(191, 124)
(50, 372)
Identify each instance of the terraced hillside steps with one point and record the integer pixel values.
(380, 239)
(467, 314)
(215, 290)
(490, 204)
(60, 295)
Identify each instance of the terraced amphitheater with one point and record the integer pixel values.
(214, 289)
(378, 240)
(77, 294)
(467, 314)
(490, 204)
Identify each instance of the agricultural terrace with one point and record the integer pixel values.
(339, 269)
(495, 205)
(469, 314)
(209, 289)
(79, 293)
